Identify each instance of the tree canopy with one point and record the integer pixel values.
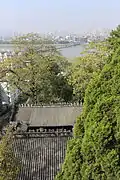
(114, 39)
(82, 70)
(93, 59)
(94, 152)
(36, 70)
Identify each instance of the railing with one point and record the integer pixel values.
(41, 154)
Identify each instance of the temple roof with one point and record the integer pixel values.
(49, 115)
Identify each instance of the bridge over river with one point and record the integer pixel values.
(9, 47)
(69, 50)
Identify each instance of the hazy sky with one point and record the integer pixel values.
(65, 15)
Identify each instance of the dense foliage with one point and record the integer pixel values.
(94, 152)
(114, 39)
(9, 164)
(93, 59)
(37, 70)
(82, 70)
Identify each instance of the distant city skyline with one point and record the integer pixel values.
(62, 15)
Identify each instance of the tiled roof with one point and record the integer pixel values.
(49, 116)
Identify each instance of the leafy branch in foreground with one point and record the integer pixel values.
(9, 163)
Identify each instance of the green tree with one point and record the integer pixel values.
(94, 153)
(93, 59)
(82, 70)
(36, 70)
(9, 164)
(114, 39)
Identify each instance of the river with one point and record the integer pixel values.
(70, 52)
